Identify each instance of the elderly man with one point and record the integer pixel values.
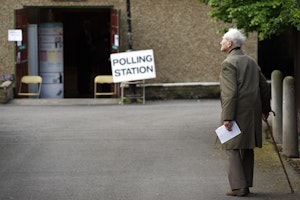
(245, 98)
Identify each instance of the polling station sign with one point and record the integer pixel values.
(133, 65)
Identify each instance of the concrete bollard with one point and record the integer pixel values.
(276, 104)
(289, 123)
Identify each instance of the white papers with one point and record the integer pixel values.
(225, 135)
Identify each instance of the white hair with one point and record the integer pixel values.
(236, 36)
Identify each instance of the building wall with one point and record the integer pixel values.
(184, 39)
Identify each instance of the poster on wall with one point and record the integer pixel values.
(51, 66)
(15, 35)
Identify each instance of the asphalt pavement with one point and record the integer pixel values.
(163, 150)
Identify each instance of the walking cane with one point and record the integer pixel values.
(277, 151)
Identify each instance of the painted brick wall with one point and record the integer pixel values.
(184, 38)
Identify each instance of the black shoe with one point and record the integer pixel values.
(238, 192)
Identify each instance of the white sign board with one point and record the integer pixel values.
(15, 35)
(133, 65)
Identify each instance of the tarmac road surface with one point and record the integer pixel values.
(163, 150)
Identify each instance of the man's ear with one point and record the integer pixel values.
(230, 43)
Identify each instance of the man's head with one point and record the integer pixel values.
(232, 39)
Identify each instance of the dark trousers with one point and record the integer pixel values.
(240, 168)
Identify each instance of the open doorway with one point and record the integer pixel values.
(88, 41)
(277, 53)
(87, 50)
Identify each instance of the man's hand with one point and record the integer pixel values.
(265, 116)
(228, 125)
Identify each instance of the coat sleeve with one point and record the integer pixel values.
(265, 93)
(228, 88)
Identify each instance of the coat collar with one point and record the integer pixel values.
(236, 52)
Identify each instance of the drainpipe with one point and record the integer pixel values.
(130, 48)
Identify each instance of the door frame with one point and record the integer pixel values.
(22, 22)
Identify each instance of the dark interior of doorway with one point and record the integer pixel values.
(277, 53)
(86, 49)
(86, 45)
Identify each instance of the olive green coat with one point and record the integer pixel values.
(245, 95)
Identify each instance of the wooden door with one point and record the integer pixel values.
(21, 56)
(115, 30)
(115, 37)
